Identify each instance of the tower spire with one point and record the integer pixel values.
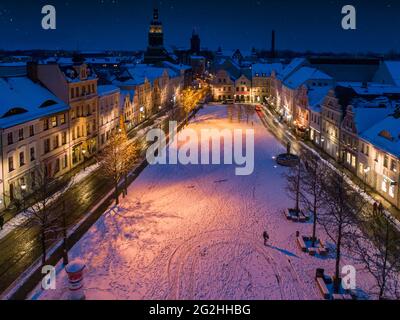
(273, 54)
(155, 14)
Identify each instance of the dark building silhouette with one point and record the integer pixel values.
(155, 50)
(273, 52)
(195, 43)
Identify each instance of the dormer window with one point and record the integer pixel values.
(13, 112)
(386, 134)
(83, 72)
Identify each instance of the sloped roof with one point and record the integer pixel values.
(365, 118)
(23, 94)
(394, 70)
(104, 90)
(390, 125)
(292, 67)
(371, 88)
(304, 74)
(316, 96)
(141, 72)
(266, 68)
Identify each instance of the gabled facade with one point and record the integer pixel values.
(331, 119)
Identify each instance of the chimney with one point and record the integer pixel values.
(32, 71)
(273, 44)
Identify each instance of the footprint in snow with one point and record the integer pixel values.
(221, 181)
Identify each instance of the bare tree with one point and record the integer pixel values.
(40, 191)
(378, 248)
(294, 179)
(342, 207)
(312, 187)
(117, 159)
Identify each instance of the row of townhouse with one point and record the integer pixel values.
(356, 123)
(59, 115)
(55, 117)
(363, 134)
(149, 89)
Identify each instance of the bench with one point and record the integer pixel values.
(322, 251)
(342, 297)
(312, 251)
(287, 215)
(301, 244)
(323, 288)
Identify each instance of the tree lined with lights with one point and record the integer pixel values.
(117, 159)
(188, 100)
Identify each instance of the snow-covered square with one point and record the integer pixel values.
(196, 232)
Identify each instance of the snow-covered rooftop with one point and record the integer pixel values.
(304, 74)
(174, 66)
(292, 66)
(141, 72)
(266, 68)
(365, 118)
(104, 90)
(316, 95)
(385, 135)
(371, 88)
(394, 70)
(22, 100)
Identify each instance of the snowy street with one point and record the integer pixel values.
(196, 232)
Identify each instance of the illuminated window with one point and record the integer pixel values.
(391, 190)
(384, 185)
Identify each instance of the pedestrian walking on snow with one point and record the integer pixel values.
(1, 222)
(266, 238)
(375, 209)
(381, 209)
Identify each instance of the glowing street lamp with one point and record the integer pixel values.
(23, 191)
(84, 159)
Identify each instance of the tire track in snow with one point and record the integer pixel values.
(177, 263)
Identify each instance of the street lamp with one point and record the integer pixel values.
(84, 159)
(23, 192)
(366, 170)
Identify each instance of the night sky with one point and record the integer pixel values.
(123, 24)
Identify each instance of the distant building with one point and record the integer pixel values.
(155, 50)
(195, 43)
(347, 68)
(109, 112)
(198, 64)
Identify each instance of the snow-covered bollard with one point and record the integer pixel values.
(74, 271)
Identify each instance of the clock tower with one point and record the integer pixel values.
(155, 49)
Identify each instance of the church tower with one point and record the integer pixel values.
(156, 35)
(155, 50)
(195, 43)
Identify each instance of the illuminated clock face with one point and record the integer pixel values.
(155, 29)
